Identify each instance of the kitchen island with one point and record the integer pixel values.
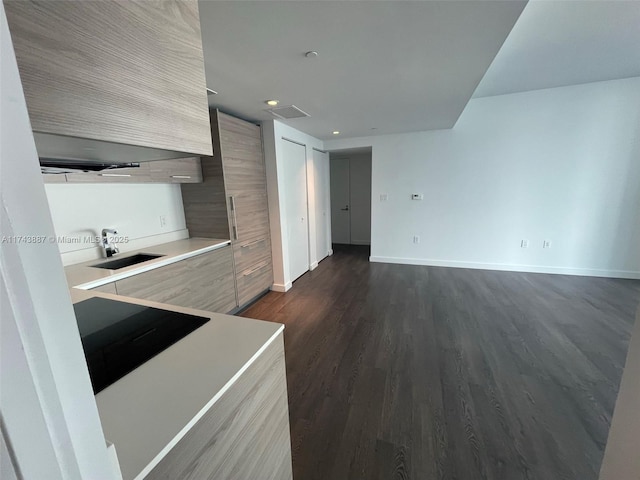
(212, 405)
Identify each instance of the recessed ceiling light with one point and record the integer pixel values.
(273, 103)
(311, 54)
(336, 132)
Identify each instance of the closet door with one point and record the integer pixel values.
(322, 203)
(295, 194)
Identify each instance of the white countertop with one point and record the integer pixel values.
(145, 413)
(84, 276)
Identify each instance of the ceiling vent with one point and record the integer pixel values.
(286, 112)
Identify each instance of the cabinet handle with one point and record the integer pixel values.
(114, 174)
(255, 269)
(234, 220)
(180, 176)
(252, 243)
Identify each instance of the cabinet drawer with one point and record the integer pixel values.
(254, 281)
(204, 282)
(251, 253)
(119, 175)
(181, 170)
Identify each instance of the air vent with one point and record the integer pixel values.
(287, 112)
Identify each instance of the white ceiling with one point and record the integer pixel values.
(392, 66)
(558, 43)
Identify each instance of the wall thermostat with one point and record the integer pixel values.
(417, 196)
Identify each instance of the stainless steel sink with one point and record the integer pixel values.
(127, 261)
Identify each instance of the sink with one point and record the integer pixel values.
(127, 261)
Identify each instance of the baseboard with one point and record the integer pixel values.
(359, 243)
(313, 266)
(584, 272)
(279, 287)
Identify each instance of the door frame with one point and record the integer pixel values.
(356, 151)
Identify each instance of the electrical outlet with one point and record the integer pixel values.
(163, 221)
(416, 239)
(383, 197)
(524, 244)
(546, 244)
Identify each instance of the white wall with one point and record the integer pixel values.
(83, 210)
(559, 164)
(272, 133)
(50, 420)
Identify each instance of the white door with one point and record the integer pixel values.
(295, 195)
(322, 203)
(340, 218)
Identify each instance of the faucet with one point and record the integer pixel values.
(109, 248)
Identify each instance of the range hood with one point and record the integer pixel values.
(63, 154)
(55, 165)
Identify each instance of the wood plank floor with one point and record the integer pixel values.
(410, 372)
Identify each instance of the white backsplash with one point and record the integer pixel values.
(81, 211)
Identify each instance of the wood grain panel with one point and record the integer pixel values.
(250, 254)
(233, 125)
(124, 72)
(254, 281)
(205, 205)
(54, 178)
(119, 175)
(244, 176)
(252, 216)
(108, 288)
(205, 282)
(181, 170)
(245, 434)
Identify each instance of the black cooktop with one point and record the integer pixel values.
(118, 337)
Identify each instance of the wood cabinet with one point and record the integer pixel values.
(182, 170)
(244, 435)
(120, 175)
(204, 282)
(112, 74)
(235, 189)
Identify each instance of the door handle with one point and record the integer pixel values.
(345, 208)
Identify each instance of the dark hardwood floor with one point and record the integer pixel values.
(408, 372)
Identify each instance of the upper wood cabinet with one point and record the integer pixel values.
(125, 80)
(182, 170)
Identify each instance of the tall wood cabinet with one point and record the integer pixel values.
(232, 200)
(112, 80)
